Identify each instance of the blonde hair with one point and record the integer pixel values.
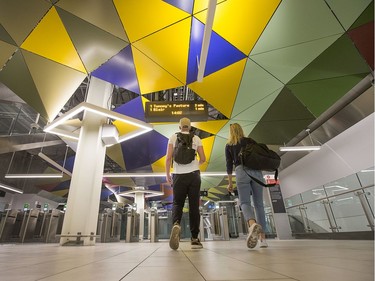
(235, 134)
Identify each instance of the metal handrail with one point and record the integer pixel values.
(330, 196)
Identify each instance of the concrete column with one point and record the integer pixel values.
(84, 193)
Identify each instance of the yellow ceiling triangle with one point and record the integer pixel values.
(241, 22)
(159, 165)
(211, 126)
(146, 68)
(143, 17)
(220, 88)
(158, 47)
(50, 39)
(207, 146)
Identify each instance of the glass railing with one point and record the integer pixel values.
(344, 205)
(19, 118)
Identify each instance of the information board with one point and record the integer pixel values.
(163, 111)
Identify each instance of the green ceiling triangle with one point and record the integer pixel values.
(292, 25)
(319, 95)
(4, 36)
(347, 11)
(340, 59)
(16, 67)
(284, 118)
(256, 84)
(366, 17)
(287, 62)
(84, 35)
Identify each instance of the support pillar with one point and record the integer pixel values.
(82, 209)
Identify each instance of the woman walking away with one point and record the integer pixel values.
(246, 187)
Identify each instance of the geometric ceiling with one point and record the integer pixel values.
(273, 66)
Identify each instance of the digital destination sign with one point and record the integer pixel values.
(171, 111)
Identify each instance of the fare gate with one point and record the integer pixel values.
(109, 226)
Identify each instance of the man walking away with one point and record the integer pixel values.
(183, 148)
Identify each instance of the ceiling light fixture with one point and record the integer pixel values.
(33, 176)
(301, 148)
(27, 175)
(7, 187)
(84, 106)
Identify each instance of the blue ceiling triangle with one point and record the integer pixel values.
(120, 70)
(186, 5)
(133, 108)
(220, 52)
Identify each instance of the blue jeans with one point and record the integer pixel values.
(247, 187)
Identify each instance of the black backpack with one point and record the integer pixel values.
(258, 156)
(183, 152)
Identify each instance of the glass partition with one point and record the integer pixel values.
(343, 205)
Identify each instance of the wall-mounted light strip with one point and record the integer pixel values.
(33, 176)
(7, 187)
(299, 148)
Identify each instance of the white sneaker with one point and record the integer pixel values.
(263, 243)
(252, 238)
(174, 239)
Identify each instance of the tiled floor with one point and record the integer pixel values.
(307, 260)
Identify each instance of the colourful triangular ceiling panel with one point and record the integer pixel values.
(6, 52)
(186, 5)
(340, 59)
(301, 27)
(114, 152)
(363, 38)
(207, 146)
(85, 35)
(93, 13)
(241, 22)
(287, 62)
(54, 92)
(256, 84)
(284, 118)
(211, 126)
(143, 17)
(120, 70)
(217, 85)
(148, 68)
(4, 36)
(50, 39)
(220, 53)
(16, 67)
(319, 95)
(347, 11)
(20, 17)
(171, 57)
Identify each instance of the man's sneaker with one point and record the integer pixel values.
(196, 244)
(174, 239)
(263, 243)
(252, 239)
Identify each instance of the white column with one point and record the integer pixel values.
(139, 199)
(86, 183)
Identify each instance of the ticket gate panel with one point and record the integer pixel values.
(7, 224)
(50, 226)
(132, 226)
(29, 225)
